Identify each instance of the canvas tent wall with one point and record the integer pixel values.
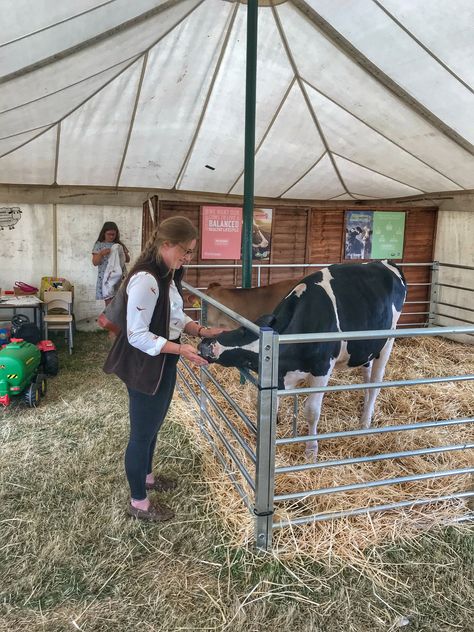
(106, 102)
(355, 99)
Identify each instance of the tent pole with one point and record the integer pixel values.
(249, 162)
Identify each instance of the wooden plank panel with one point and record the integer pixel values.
(316, 236)
(289, 242)
(420, 227)
(327, 229)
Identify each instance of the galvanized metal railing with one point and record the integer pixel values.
(258, 488)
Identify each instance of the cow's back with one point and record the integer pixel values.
(343, 297)
(248, 302)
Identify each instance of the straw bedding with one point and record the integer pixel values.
(348, 537)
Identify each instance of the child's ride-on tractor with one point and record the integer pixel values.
(23, 328)
(25, 362)
(20, 372)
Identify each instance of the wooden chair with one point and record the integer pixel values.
(58, 314)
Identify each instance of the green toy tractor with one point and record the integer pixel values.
(21, 373)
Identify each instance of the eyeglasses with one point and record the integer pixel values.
(187, 252)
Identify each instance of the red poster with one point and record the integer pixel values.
(221, 233)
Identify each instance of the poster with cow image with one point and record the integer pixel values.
(358, 237)
(262, 233)
(374, 234)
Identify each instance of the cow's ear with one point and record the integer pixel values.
(266, 320)
(213, 285)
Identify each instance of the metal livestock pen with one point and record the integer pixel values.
(226, 439)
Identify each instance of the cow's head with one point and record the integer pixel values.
(238, 348)
(258, 238)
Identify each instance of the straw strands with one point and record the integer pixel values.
(347, 538)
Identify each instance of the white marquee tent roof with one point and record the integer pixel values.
(355, 98)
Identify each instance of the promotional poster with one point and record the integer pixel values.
(221, 232)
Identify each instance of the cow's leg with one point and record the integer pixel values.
(376, 375)
(366, 372)
(312, 410)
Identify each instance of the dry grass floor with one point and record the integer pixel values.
(71, 560)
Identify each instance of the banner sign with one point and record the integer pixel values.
(221, 232)
(374, 235)
(388, 236)
(261, 233)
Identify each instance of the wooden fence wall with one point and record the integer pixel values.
(312, 235)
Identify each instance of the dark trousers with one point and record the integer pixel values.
(147, 413)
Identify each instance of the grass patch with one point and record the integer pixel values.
(71, 560)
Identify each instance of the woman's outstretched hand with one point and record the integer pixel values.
(191, 353)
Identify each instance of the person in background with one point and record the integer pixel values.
(146, 351)
(109, 235)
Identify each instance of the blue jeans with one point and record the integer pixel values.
(147, 413)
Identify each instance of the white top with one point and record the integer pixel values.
(143, 292)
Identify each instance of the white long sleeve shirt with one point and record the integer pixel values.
(143, 292)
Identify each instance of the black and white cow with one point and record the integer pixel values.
(341, 297)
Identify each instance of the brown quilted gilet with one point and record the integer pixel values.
(136, 368)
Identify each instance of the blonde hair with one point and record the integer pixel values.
(175, 230)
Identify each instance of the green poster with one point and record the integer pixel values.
(387, 236)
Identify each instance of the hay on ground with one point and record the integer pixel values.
(348, 538)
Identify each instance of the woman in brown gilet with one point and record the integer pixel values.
(146, 351)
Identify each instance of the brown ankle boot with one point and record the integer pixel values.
(155, 513)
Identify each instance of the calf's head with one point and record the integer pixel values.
(238, 348)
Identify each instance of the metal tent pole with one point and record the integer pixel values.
(249, 159)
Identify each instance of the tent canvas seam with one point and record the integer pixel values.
(304, 174)
(227, 29)
(423, 46)
(91, 41)
(383, 175)
(354, 54)
(382, 134)
(79, 105)
(305, 95)
(267, 131)
(132, 118)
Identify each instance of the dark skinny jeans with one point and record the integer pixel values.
(147, 413)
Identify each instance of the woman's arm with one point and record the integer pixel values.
(143, 291)
(142, 296)
(98, 256)
(195, 329)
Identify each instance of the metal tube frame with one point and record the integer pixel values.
(371, 459)
(433, 294)
(205, 396)
(360, 511)
(423, 425)
(212, 443)
(266, 442)
(266, 437)
(370, 484)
